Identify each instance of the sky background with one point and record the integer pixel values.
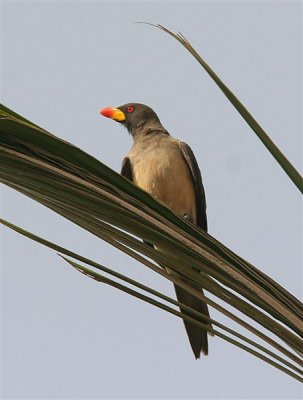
(65, 336)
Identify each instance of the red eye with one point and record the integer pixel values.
(130, 109)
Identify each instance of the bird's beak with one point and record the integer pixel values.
(113, 113)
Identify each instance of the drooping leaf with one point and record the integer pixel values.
(289, 169)
(88, 193)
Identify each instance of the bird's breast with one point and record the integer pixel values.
(162, 171)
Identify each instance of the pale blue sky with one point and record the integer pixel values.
(65, 336)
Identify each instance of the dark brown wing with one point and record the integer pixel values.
(197, 179)
(126, 169)
(197, 337)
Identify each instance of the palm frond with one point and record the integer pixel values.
(75, 185)
(289, 169)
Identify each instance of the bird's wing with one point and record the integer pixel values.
(198, 185)
(126, 169)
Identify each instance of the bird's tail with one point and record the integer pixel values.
(197, 336)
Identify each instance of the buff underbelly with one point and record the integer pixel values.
(169, 181)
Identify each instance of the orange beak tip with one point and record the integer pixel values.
(107, 112)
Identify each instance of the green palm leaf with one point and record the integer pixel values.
(88, 193)
(289, 169)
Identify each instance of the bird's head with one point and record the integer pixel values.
(137, 118)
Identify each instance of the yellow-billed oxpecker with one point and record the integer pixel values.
(167, 169)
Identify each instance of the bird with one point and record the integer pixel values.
(167, 169)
